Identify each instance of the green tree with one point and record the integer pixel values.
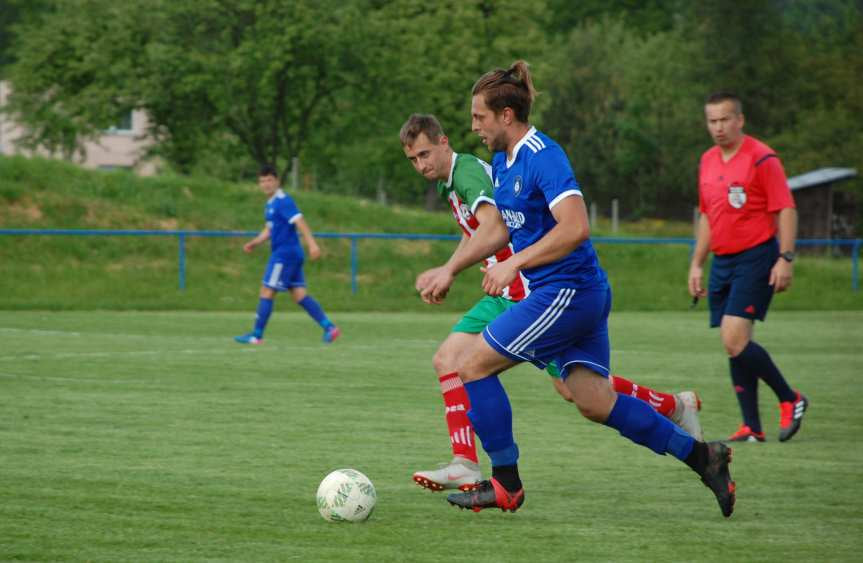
(624, 107)
(431, 56)
(329, 81)
(13, 13)
(237, 73)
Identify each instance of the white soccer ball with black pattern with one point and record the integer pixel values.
(346, 495)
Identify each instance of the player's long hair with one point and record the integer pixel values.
(420, 123)
(511, 88)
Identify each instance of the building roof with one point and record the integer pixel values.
(820, 177)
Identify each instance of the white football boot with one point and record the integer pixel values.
(460, 473)
(686, 413)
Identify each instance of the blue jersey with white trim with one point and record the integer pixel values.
(281, 213)
(525, 190)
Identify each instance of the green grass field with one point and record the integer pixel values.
(153, 437)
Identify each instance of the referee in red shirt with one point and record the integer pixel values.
(746, 205)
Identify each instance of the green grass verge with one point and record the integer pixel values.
(152, 436)
(141, 273)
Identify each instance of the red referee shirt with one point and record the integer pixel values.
(741, 197)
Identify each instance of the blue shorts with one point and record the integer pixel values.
(284, 273)
(739, 283)
(558, 324)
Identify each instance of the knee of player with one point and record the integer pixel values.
(444, 361)
(594, 402)
(733, 347)
(563, 390)
(298, 294)
(591, 410)
(468, 370)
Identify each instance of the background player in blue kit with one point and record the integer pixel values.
(565, 316)
(285, 268)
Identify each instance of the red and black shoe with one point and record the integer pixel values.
(745, 434)
(488, 494)
(791, 415)
(717, 477)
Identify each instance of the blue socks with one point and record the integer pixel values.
(636, 420)
(265, 308)
(491, 416)
(313, 308)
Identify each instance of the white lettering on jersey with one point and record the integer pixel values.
(513, 219)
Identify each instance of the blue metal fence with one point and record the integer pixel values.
(855, 244)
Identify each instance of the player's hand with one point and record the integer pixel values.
(248, 247)
(695, 288)
(498, 277)
(434, 284)
(314, 251)
(780, 275)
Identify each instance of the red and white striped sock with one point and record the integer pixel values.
(663, 403)
(457, 404)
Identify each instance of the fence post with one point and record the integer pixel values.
(855, 265)
(593, 214)
(354, 265)
(181, 239)
(614, 215)
(295, 173)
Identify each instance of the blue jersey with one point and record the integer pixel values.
(281, 213)
(525, 190)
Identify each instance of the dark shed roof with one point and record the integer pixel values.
(820, 177)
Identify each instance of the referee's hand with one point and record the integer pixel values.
(781, 275)
(695, 288)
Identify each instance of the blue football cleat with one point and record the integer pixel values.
(331, 333)
(249, 338)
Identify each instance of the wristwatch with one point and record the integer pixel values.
(788, 255)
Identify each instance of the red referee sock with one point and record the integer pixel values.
(457, 404)
(663, 403)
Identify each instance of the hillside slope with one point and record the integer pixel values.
(74, 272)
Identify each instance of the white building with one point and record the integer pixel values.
(123, 146)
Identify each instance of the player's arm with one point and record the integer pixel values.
(571, 230)
(783, 270)
(311, 243)
(426, 279)
(262, 237)
(489, 237)
(699, 255)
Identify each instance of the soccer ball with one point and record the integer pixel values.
(346, 495)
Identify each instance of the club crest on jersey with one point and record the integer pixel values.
(736, 196)
(465, 211)
(516, 187)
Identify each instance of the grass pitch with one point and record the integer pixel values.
(152, 436)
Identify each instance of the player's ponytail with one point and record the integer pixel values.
(508, 88)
